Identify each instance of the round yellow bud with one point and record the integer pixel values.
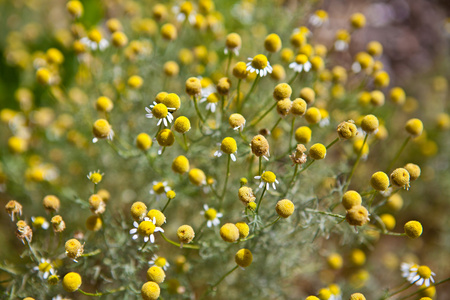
(51, 203)
(240, 70)
(317, 151)
(278, 72)
(243, 258)
(143, 141)
(160, 218)
(272, 43)
(377, 98)
(104, 104)
(335, 261)
(43, 76)
(223, 86)
(381, 79)
(119, 39)
(165, 138)
(414, 127)
(185, 234)
(388, 221)
(233, 41)
(285, 208)
(156, 274)
(358, 20)
(397, 95)
(228, 145)
(259, 145)
(244, 230)
(75, 8)
(374, 48)
(379, 181)
(357, 296)
(236, 121)
(171, 68)
(229, 232)
(169, 32)
(74, 248)
(299, 107)
(94, 223)
(101, 129)
(138, 210)
(135, 81)
(395, 202)
(150, 291)
(357, 257)
(284, 107)
(347, 130)
(413, 229)
(313, 115)
(193, 86)
(71, 282)
(246, 195)
(180, 164)
(308, 95)
(303, 135)
(182, 124)
(413, 170)
(369, 124)
(400, 178)
(351, 199)
(197, 177)
(357, 215)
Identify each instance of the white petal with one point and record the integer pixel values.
(261, 184)
(213, 107)
(133, 231)
(257, 177)
(205, 206)
(146, 239)
(274, 186)
(135, 236)
(208, 223)
(152, 238)
(165, 121)
(267, 186)
(219, 215)
(233, 157)
(159, 122)
(135, 224)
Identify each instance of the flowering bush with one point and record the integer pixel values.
(216, 150)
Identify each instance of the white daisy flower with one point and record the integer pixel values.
(212, 99)
(300, 64)
(102, 45)
(319, 18)
(45, 268)
(228, 146)
(211, 215)
(267, 178)
(159, 261)
(161, 112)
(421, 275)
(146, 229)
(260, 65)
(40, 222)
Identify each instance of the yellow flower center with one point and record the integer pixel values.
(259, 62)
(146, 228)
(210, 214)
(39, 221)
(301, 59)
(160, 262)
(213, 98)
(160, 111)
(95, 177)
(45, 267)
(159, 188)
(268, 177)
(424, 272)
(322, 14)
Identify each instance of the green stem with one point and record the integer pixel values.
(292, 180)
(260, 199)
(122, 288)
(145, 245)
(398, 153)
(253, 123)
(177, 244)
(422, 289)
(270, 224)
(238, 97)
(399, 291)
(229, 62)
(226, 183)
(242, 136)
(167, 204)
(371, 200)
(293, 78)
(291, 134)
(197, 110)
(33, 254)
(356, 163)
(324, 213)
(223, 277)
(93, 253)
(332, 143)
(260, 166)
(276, 124)
(185, 142)
(251, 90)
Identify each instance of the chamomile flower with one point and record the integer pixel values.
(161, 112)
(45, 268)
(40, 222)
(421, 275)
(95, 176)
(183, 11)
(260, 65)
(228, 146)
(405, 268)
(319, 18)
(267, 178)
(146, 229)
(211, 215)
(342, 40)
(159, 188)
(159, 261)
(211, 101)
(95, 41)
(300, 64)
